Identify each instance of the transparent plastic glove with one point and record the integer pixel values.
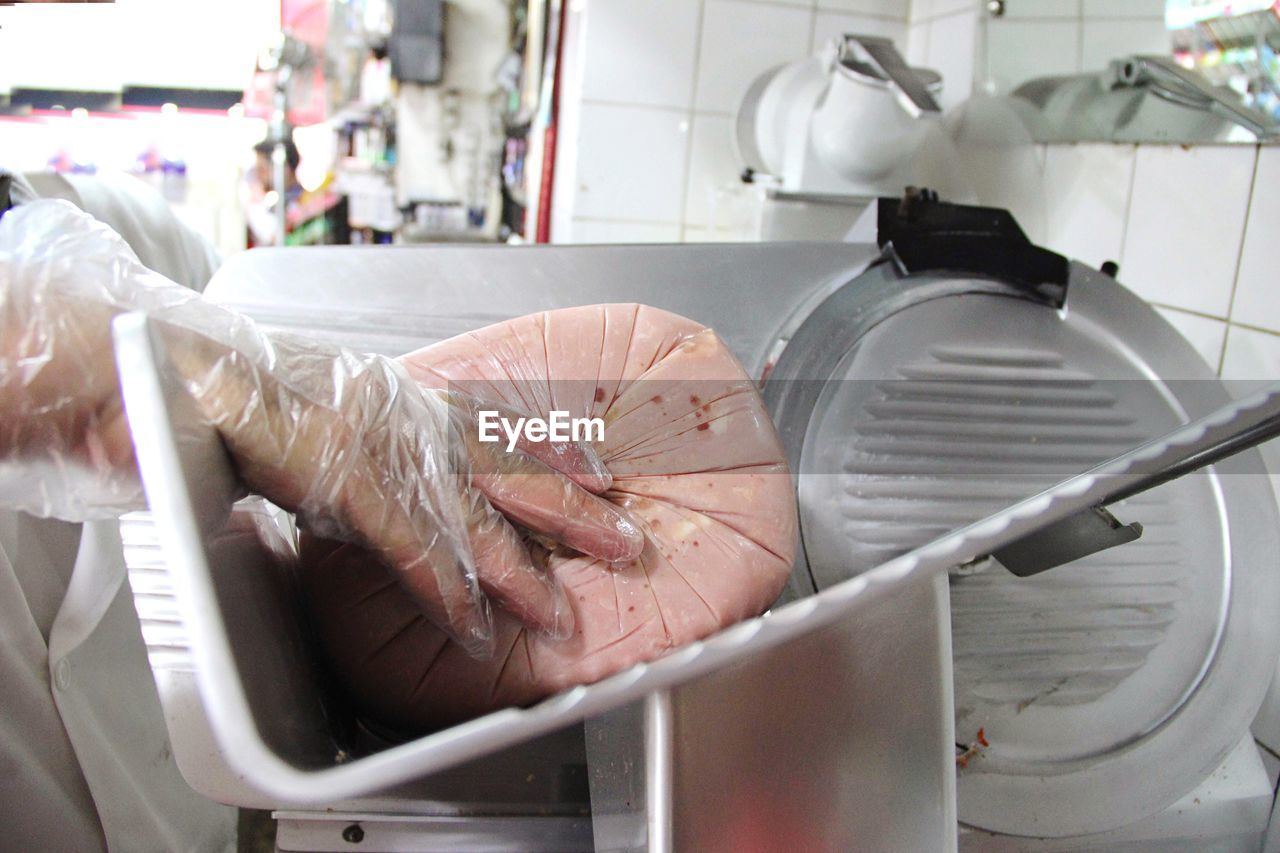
(347, 441)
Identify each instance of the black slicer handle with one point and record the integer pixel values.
(928, 235)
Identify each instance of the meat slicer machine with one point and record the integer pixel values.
(958, 406)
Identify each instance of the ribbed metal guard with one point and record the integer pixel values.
(956, 407)
(162, 630)
(968, 431)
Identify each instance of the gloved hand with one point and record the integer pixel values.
(348, 441)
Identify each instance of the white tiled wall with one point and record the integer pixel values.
(945, 35)
(1186, 218)
(650, 139)
(713, 165)
(1193, 231)
(1257, 300)
(1086, 187)
(649, 133)
(1206, 334)
(1103, 39)
(632, 164)
(643, 59)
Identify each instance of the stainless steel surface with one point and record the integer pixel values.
(1074, 538)
(427, 294)
(1178, 85)
(1137, 99)
(1097, 529)
(337, 830)
(942, 406)
(659, 765)
(619, 771)
(222, 677)
(424, 285)
(820, 744)
(395, 300)
(814, 342)
(812, 746)
(1226, 813)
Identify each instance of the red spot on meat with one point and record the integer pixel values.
(599, 394)
(706, 407)
(982, 737)
(695, 399)
(703, 426)
(695, 543)
(656, 398)
(631, 609)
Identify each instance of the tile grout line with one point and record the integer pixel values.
(1239, 256)
(1249, 327)
(1190, 312)
(691, 114)
(1244, 235)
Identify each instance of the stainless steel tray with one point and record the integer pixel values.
(187, 478)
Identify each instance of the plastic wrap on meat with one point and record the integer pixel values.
(693, 456)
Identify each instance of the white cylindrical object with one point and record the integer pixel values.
(767, 115)
(859, 129)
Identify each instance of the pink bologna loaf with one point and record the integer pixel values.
(694, 457)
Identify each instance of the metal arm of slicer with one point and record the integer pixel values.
(893, 65)
(1175, 84)
(1096, 529)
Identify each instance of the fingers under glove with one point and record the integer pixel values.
(548, 487)
(574, 459)
(362, 454)
(547, 502)
(508, 575)
(348, 441)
